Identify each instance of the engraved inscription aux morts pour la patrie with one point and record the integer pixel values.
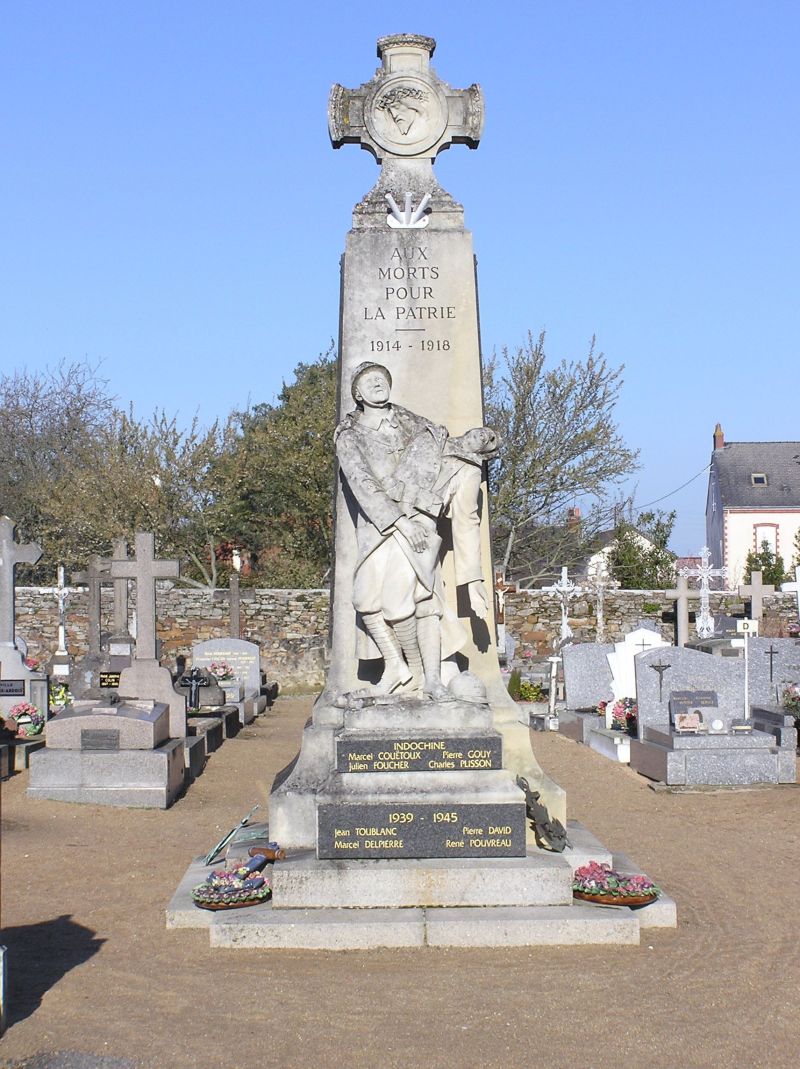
(413, 654)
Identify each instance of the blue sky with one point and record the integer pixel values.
(172, 207)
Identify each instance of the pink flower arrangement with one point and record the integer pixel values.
(597, 878)
(33, 663)
(27, 719)
(624, 715)
(221, 669)
(790, 697)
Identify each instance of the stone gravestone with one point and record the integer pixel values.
(244, 659)
(622, 662)
(60, 663)
(772, 663)
(117, 755)
(411, 611)
(587, 675)
(97, 674)
(145, 679)
(688, 680)
(17, 682)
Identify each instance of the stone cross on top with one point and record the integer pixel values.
(145, 569)
(755, 590)
(406, 111)
(92, 577)
(11, 554)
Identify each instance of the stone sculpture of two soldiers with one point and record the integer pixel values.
(405, 473)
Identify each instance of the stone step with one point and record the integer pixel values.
(362, 929)
(304, 882)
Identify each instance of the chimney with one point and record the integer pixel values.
(573, 518)
(719, 437)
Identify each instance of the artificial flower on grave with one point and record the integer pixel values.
(27, 718)
(60, 696)
(32, 663)
(599, 879)
(790, 698)
(221, 669)
(624, 715)
(601, 708)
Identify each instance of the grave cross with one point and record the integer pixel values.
(62, 593)
(11, 554)
(755, 590)
(771, 654)
(145, 570)
(194, 681)
(599, 582)
(705, 573)
(681, 594)
(564, 589)
(120, 547)
(661, 669)
(98, 569)
(406, 112)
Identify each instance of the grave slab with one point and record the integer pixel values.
(134, 778)
(587, 674)
(136, 725)
(210, 728)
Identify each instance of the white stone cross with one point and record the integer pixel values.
(755, 590)
(62, 593)
(564, 590)
(11, 554)
(145, 570)
(705, 573)
(599, 583)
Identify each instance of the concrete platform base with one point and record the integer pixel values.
(140, 779)
(615, 745)
(430, 902)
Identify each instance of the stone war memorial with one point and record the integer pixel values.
(406, 814)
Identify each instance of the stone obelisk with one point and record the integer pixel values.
(409, 303)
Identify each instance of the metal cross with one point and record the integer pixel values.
(564, 589)
(194, 681)
(599, 582)
(661, 669)
(62, 593)
(705, 573)
(771, 654)
(11, 554)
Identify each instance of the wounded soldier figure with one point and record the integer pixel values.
(404, 473)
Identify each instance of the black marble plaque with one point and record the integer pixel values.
(433, 754)
(350, 830)
(99, 739)
(690, 701)
(12, 688)
(109, 680)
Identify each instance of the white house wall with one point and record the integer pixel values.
(739, 537)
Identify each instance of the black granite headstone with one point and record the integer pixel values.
(420, 830)
(433, 754)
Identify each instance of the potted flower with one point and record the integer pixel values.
(60, 697)
(222, 670)
(790, 699)
(34, 664)
(598, 882)
(27, 720)
(624, 715)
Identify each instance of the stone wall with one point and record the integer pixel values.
(533, 618)
(290, 626)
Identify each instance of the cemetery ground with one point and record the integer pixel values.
(93, 969)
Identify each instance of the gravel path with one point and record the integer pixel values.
(96, 980)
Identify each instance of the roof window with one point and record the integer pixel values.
(758, 478)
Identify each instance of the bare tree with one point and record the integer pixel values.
(560, 446)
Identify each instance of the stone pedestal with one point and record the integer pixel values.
(117, 755)
(147, 680)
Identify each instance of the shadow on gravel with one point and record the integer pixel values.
(39, 955)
